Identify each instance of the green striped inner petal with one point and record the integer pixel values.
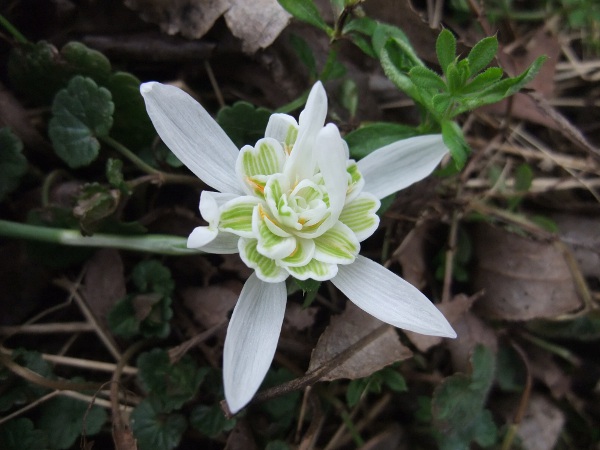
(265, 158)
(302, 254)
(359, 215)
(236, 216)
(272, 240)
(355, 181)
(317, 270)
(338, 245)
(266, 268)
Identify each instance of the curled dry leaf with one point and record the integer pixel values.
(256, 23)
(346, 329)
(522, 279)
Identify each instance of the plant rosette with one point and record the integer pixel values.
(293, 204)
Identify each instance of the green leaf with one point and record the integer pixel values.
(355, 391)
(152, 276)
(441, 103)
(349, 96)
(172, 383)
(243, 123)
(482, 54)
(585, 328)
(123, 320)
(482, 81)
(394, 380)
(80, 114)
(373, 136)
(280, 409)
(383, 33)
(425, 78)
(457, 406)
(455, 141)
(277, 445)
(62, 418)
(38, 71)
(210, 420)
(388, 58)
(305, 54)
(333, 68)
(13, 165)
(445, 47)
(20, 434)
(306, 11)
(511, 372)
(523, 178)
(154, 427)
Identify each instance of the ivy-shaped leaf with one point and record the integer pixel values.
(243, 123)
(80, 114)
(154, 427)
(210, 420)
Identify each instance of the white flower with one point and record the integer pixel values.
(294, 204)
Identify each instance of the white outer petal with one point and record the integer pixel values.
(201, 236)
(224, 244)
(400, 164)
(192, 134)
(251, 339)
(389, 298)
(210, 203)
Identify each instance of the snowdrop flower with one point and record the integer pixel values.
(294, 205)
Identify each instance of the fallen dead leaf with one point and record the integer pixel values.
(256, 23)
(392, 438)
(298, 317)
(542, 424)
(580, 233)
(412, 256)
(104, 282)
(522, 279)
(545, 369)
(453, 311)
(346, 329)
(471, 330)
(211, 305)
(240, 438)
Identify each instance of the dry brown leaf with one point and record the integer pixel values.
(343, 331)
(298, 317)
(471, 330)
(412, 256)
(522, 279)
(240, 438)
(104, 282)
(453, 311)
(581, 234)
(256, 23)
(211, 305)
(191, 18)
(545, 369)
(542, 424)
(392, 438)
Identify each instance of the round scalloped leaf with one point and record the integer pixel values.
(153, 426)
(81, 113)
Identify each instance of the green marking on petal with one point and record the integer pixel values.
(236, 216)
(290, 138)
(270, 244)
(337, 245)
(266, 158)
(317, 270)
(359, 215)
(302, 254)
(266, 268)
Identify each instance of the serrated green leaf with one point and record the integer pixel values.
(445, 48)
(425, 78)
(20, 434)
(305, 54)
(243, 123)
(306, 11)
(457, 406)
(62, 418)
(210, 420)
(173, 384)
(370, 137)
(482, 81)
(455, 141)
(80, 114)
(38, 71)
(154, 427)
(482, 54)
(132, 126)
(152, 276)
(13, 164)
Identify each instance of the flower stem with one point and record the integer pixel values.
(12, 30)
(162, 177)
(153, 243)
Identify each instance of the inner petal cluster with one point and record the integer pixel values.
(290, 223)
